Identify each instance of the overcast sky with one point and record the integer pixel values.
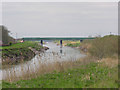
(60, 18)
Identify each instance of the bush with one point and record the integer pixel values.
(104, 47)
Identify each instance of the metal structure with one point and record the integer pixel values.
(55, 38)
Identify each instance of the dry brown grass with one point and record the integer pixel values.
(109, 62)
(57, 67)
(104, 47)
(45, 68)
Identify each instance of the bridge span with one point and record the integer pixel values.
(55, 38)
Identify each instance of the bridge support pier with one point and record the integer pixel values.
(81, 40)
(60, 43)
(41, 42)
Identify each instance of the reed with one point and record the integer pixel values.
(81, 73)
(104, 47)
(43, 68)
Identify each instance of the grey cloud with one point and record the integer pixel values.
(60, 19)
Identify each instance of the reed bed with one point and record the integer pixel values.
(39, 68)
(32, 70)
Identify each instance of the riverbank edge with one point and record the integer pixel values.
(17, 55)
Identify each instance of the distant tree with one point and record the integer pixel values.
(4, 35)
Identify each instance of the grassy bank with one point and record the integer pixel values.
(19, 51)
(69, 43)
(102, 47)
(23, 45)
(81, 75)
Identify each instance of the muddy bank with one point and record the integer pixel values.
(17, 55)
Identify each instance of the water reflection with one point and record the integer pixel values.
(61, 50)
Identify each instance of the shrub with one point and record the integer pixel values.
(104, 47)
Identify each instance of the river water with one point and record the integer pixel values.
(53, 54)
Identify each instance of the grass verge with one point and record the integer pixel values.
(83, 76)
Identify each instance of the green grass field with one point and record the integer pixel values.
(91, 75)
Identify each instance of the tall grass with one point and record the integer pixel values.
(104, 47)
(29, 72)
(82, 73)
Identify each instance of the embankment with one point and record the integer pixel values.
(20, 52)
